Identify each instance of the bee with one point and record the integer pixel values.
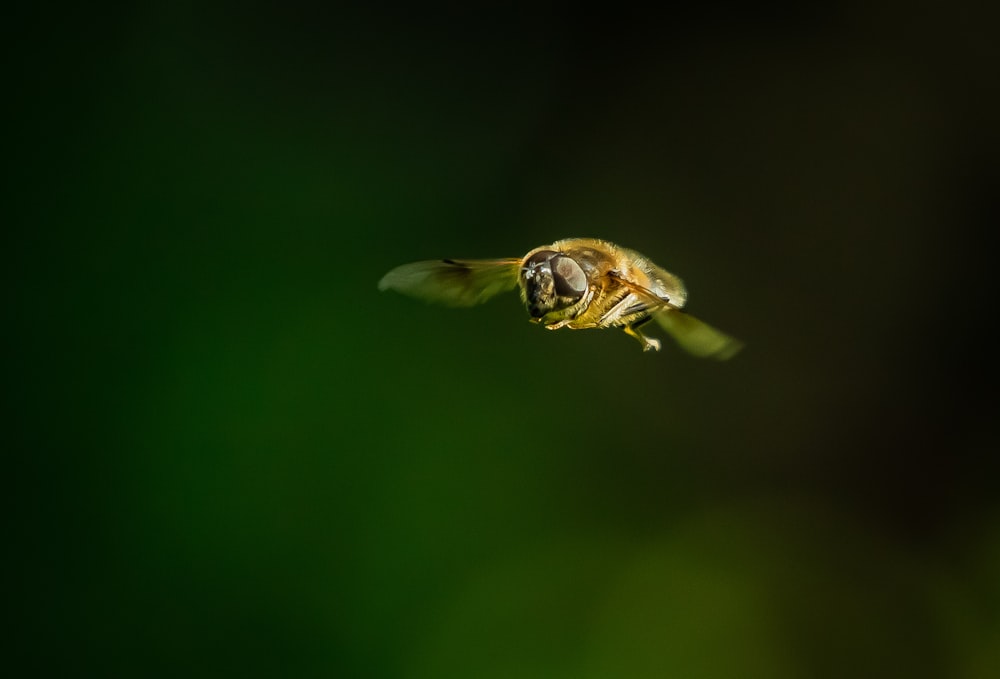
(574, 283)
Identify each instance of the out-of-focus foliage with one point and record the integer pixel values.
(234, 456)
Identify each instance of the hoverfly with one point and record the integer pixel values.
(573, 283)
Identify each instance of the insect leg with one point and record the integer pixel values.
(561, 324)
(647, 342)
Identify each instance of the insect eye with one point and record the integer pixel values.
(540, 257)
(569, 278)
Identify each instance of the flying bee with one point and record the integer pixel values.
(574, 283)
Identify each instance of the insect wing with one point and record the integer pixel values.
(697, 337)
(694, 336)
(453, 282)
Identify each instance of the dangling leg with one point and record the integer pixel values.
(647, 342)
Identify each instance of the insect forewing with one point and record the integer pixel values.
(697, 337)
(453, 282)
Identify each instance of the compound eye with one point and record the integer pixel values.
(569, 278)
(540, 257)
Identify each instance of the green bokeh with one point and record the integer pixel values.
(239, 458)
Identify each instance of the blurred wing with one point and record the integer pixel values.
(453, 282)
(697, 337)
(694, 336)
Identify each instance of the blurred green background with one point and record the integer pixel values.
(234, 457)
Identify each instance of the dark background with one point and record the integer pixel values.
(233, 456)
